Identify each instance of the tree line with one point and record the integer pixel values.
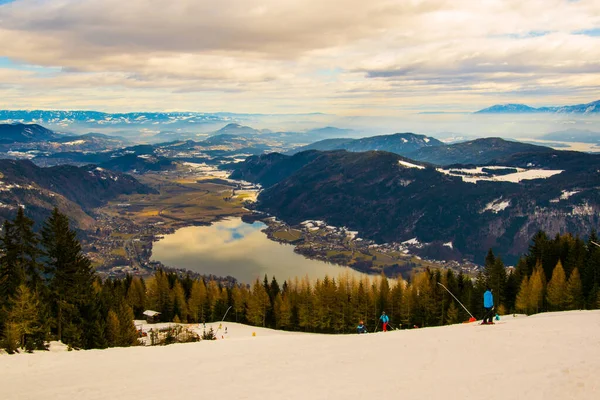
(48, 291)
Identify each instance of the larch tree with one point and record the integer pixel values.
(574, 294)
(557, 288)
(522, 302)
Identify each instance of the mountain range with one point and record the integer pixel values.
(388, 198)
(588, 108)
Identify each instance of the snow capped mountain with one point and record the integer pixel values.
(543, 357)
(588, 108)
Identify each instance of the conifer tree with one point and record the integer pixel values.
(452, 315)
(136, 296)
(113, 329)
(536, 290)
(27, 250)
(522, 303)
(12, 273)
(258, 305)
(24, 315)
(71, 277)
(196, 301)
(128, 334)
(557, 287)
(574, 295)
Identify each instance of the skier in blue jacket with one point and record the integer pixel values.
(384, 320)
(488, 305)
(361, 328)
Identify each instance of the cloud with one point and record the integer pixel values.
(274, 53)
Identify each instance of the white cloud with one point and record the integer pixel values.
(302, 54)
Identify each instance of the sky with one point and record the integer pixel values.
(350, 57)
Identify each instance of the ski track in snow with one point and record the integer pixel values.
(547, 356)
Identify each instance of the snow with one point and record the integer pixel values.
(496, 206)
(426, 140)
(566, 194)
(410, 165)
(449, 244)
(412, 241)
(74, 143)
(547, 356)
(473, 175)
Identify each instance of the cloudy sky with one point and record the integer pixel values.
(348, 57)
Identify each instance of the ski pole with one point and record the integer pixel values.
(457, 300)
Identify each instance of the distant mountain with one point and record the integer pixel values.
(386, 198)
(588, 108)
(139, 163)
(237, 129)
(573, 135)
(479, 151)
(24, 133)
(74, 190)
(399, 143)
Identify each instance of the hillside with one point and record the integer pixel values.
(24, 133)
(478, 151)
(72, 189)
(399, 143)
(387, 198)
(138, 163)
(542, 357)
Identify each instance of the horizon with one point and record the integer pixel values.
(343, 58)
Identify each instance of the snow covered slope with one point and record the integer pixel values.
(547, 356)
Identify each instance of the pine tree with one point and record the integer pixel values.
(27, 250)
(196, 301)
(12, 273)
(557, 288)
(71, 278)
(574, 297)
(136, 296)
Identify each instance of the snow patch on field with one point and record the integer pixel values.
(410, 165)
(473, 175)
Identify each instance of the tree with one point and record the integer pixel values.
(557, 288)
(70, 277)
(24, 316)
(258, 305)
(113, 329)
(536, 290)
(574, 300)
(452, 315)
(522, 302)
(27, 251)
(128, 334)
(12, 273)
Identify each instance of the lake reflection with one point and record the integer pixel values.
(235, 248)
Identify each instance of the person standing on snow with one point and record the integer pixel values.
(384, 320)
(488, 305)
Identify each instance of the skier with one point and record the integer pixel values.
(384, 320)
(361, 328)
(488, 305)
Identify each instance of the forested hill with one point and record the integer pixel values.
(76, 189)
(387, 198)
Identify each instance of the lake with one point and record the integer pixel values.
(233, 247)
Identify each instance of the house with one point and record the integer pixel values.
(152, 317)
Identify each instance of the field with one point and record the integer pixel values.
(182, 201)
